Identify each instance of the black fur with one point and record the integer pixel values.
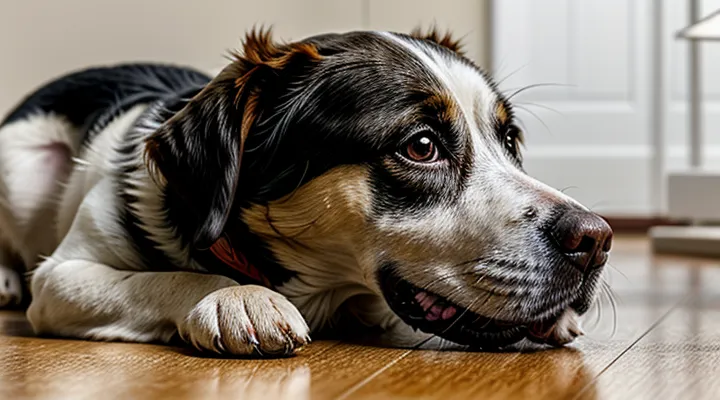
(89, 99)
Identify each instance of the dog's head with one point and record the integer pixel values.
(385, 166)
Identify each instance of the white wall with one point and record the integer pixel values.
(40, 39)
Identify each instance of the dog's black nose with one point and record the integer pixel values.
(584, 238)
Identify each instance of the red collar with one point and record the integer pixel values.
(226, 253)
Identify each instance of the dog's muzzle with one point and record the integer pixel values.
(581, 240)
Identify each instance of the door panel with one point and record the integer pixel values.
(587, 130)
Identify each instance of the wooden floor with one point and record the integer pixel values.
(666, 345)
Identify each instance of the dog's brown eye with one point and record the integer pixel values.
(421, 148)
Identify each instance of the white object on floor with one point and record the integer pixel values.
(686, 240)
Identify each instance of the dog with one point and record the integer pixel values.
(366, 185)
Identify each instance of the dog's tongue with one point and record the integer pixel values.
(435, 309)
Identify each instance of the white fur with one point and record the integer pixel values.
(33, 158)
(567, 328)
(33, 162)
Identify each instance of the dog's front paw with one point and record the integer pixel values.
(10, 287)
(245, 320)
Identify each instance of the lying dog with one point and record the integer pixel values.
(366, 183)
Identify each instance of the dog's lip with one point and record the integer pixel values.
(430, 313)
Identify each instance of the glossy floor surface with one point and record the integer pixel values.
(663, 342)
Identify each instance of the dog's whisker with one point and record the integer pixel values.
(544, 107)
(446, 277)
(566, 188)
(80, 161)
(612, 291)
(508, 76)
(522, 125)
(494, 316)
(598, 203)
(614, 268)
(608, 292)
(534, 86)
(547, 128)
(597, 308)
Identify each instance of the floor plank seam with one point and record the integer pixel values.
(374, 375)
(627, 349)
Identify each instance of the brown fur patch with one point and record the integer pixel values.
(260, 49)
(259, 52)
(329, 206)
(448, 110)
(501, 113)
(433, 35)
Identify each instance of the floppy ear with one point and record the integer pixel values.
(196, 154)
(445, 40)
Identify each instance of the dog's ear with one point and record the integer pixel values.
(433, 35)
(196, 154)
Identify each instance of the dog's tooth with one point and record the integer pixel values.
(428, 302)
(420, 297)
(448, 313)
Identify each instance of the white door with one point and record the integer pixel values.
(590, 134)
(675, 61)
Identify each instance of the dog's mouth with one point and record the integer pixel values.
(433, 314)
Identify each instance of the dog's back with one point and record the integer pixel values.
(84, 98)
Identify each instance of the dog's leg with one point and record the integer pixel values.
(90, 300)
(35, 158)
